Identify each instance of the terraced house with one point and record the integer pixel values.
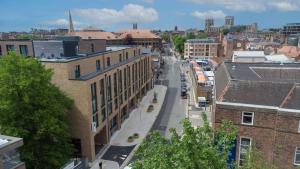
(263, 100)
(105, 86)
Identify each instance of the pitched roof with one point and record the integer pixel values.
(94, 35)
(291, 51)
(137, 34)
(266, 84)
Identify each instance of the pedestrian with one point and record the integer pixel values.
(100, 165)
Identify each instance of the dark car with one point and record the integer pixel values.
(182, 75)
(182, 79)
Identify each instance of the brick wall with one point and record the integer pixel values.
(274, 133)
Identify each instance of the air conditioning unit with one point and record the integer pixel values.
(94, 126)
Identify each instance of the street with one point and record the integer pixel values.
(174, 108)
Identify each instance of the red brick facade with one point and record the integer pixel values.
(273, 132)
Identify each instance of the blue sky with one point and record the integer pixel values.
(113, 15)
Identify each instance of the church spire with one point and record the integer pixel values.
(71, 27)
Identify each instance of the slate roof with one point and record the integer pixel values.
(266, 84)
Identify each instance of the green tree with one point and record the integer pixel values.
(201, 35)
(190, 35)
(26, 36)
(225, 31)
(196, 148)
(178, 42)
(256, 160)
(34, 109)
(165, 37)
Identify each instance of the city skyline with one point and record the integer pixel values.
(112, 15)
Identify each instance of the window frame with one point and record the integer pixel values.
(299, 126)
(252, 120)
(295, 154)
(98, 65)
(23, 47)
(77, 71)
(240, 143)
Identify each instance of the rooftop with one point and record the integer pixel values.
(249, 53)
(200, 41)
(82, 56)
(264, 84)
(8, 140)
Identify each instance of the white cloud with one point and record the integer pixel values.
(252, 5)
(128, 14)
(284, 6)
(209, 14)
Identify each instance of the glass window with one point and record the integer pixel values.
(245, 144)
(247, 118)
(299, 127)
(108, 62)
(23, 50)
(10, 48)
(92, 47)
(102, 94)
(297, 156)
(126, 55)
(77, 71)
(120, 57)
(98, 65)
(94, 97)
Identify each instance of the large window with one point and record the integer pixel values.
(77, 71)
(102, 99)
(299, 127)
(120, 87)
(10, 48)
(109, 98)
(245, 144)
(92, 47)
(94, 97)
(94, 104)
(98, 65)
(247, 118)
(108, 61)
(120, 57)
(23, 50)
(297, 156)
(125, 83)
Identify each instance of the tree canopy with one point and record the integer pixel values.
(201, 147)
(178, 42)
(165, 37)
(226, 31)
(27, 36)
(34, 109)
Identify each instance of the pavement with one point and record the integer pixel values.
(120, 151)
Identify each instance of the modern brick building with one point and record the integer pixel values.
(200, 48)
(21, 47)
(9, 156)
(263, 100)
(105, 87)
(64, 46)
